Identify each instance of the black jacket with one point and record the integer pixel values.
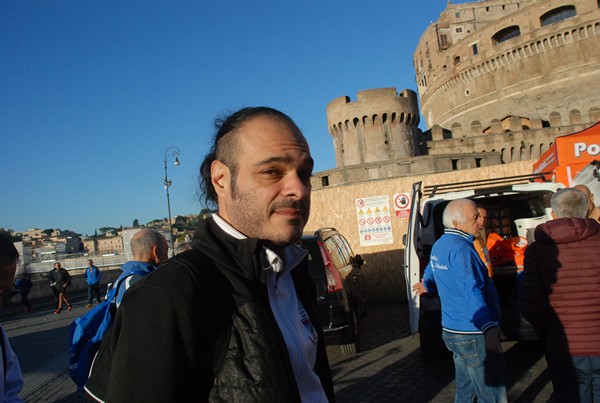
(194, 332)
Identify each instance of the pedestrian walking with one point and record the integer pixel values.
(63, 280)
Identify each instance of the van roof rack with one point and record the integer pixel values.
(430, 191)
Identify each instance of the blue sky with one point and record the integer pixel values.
(93, 92)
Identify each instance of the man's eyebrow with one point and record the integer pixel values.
(282, 159)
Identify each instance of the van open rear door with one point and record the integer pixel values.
(412, 272)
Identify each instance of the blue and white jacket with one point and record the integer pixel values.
(92, 275)
(470, 302)
(134, 270)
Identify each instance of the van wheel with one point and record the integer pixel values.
(351, 348)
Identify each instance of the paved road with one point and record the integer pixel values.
(389, 368)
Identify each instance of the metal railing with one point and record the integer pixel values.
(72, 262)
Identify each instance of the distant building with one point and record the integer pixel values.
(109, 244)
(90, 245)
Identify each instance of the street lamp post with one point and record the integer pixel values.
(171, 151)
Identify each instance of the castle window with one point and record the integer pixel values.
(558, 14)
(475, 50)
(454, 165)
(325, 181)
(459, 30)
(444, 39)
(457, 14)
(478, 162)
(506, 34)
(456, 60)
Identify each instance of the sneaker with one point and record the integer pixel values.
(57, 311)
(69, 308)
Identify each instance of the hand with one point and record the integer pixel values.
(493, 338)
(419, 288)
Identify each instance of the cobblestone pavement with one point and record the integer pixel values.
(389, 367)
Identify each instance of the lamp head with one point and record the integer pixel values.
(176, 163)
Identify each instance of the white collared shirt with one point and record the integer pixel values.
(298, 332)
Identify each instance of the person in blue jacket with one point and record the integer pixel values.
(470, 306)
(92, 277)
(149, 248)
(11, 379)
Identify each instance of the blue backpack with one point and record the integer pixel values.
(87, 331)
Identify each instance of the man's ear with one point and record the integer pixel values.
(553, 214)
(219, 177)
(154, 254)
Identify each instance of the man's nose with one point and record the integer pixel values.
(296, 185)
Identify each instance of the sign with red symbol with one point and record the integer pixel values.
(402, 205)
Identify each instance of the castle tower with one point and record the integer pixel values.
(380, 126)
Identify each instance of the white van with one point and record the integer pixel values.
(514, 205)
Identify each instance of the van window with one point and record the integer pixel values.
(339, 249)
(335, 252)
(344, 247)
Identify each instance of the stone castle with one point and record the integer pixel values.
(498, 81)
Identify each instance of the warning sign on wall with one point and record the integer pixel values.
(402, 205)
(374, 222)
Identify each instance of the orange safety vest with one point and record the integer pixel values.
(484, 254)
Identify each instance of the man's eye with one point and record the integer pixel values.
(271, 172)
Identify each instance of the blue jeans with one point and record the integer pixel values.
(478, 372)
(574, 379)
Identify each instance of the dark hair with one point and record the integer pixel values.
(8, 252)
(224, 147)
